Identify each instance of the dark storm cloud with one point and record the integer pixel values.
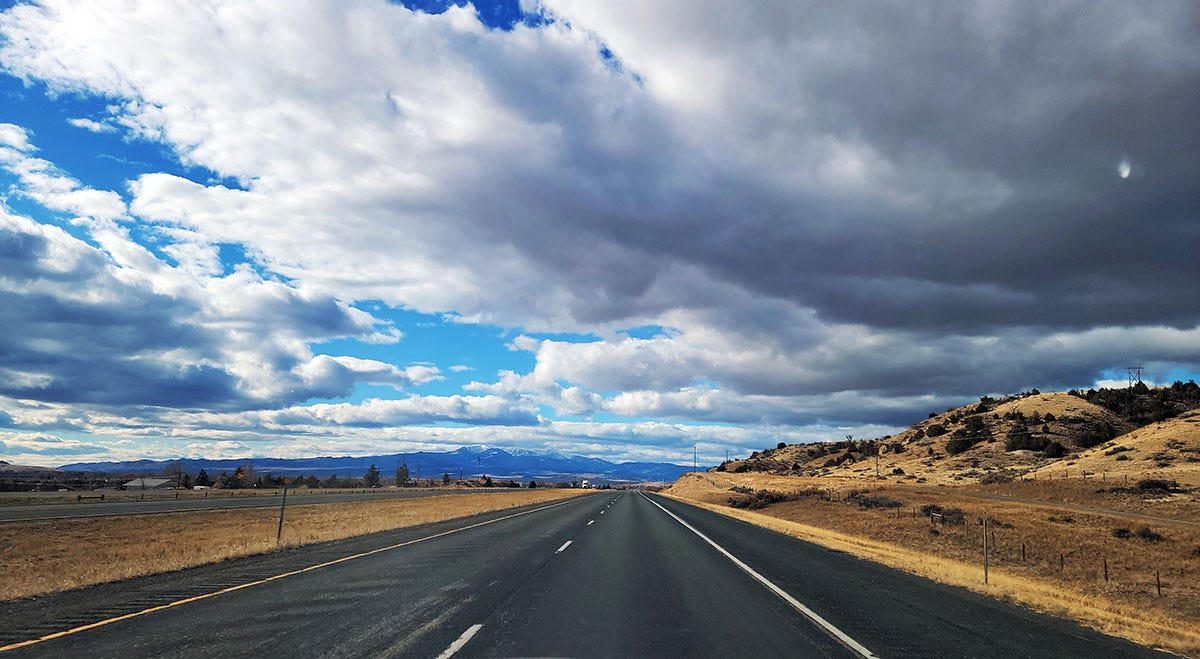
(1003, 127)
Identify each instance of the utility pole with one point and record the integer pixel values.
(282, 505)
(985, 549)
(694, 467)
(1135, 374)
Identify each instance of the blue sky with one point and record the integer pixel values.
(615, 229)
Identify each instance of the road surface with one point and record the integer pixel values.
(218, 500)
(606, 575)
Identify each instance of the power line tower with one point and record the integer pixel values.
(1135, 374)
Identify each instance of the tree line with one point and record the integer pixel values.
(246, 477)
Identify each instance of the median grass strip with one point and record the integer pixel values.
(1042, 559)
(51, 556)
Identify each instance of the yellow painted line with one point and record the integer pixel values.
(127, 616)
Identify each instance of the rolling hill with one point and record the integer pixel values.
(1143, 431)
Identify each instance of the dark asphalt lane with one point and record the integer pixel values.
(606, 575)
(636, 584)
(219, 500)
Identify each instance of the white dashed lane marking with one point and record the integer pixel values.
(458, 644)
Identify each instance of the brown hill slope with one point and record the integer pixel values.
(1167, 450)
(1017, 436)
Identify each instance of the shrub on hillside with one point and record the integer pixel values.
(1020, 439)
(1156, 485)
(868, 501)
(1146, 534)
(759, 499)
(960, 444)
(952, 516)
(975, 423)
(1054, 450)
(1002, 476)
(935, 429)
(1094, 435)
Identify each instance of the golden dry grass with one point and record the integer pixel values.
(51, 556)
(1127, 605)
(110, 496)
(1169, 449)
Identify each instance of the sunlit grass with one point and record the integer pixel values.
(51, 556)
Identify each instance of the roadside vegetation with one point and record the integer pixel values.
(1092, 502)
(51, 556)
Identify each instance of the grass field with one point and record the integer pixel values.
(52, 556)
(111, 496)
(1040, 556)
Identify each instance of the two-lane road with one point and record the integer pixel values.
(606, 575)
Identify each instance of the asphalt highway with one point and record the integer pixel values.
(612, 574)
(160, 503)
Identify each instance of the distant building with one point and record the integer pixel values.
(149, 484)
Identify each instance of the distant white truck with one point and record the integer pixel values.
(584, 484)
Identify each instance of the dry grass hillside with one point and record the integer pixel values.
(1020, 436)
(1168, 450)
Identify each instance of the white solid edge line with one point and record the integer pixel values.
(565, 545)
(838, 634)
(462, 640)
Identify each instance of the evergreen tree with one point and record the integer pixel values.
(371, 478)
(446, 478)
(402, 475)
(203, 479)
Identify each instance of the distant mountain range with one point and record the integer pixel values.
(470, 461)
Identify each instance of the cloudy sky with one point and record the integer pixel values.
(616, 228)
